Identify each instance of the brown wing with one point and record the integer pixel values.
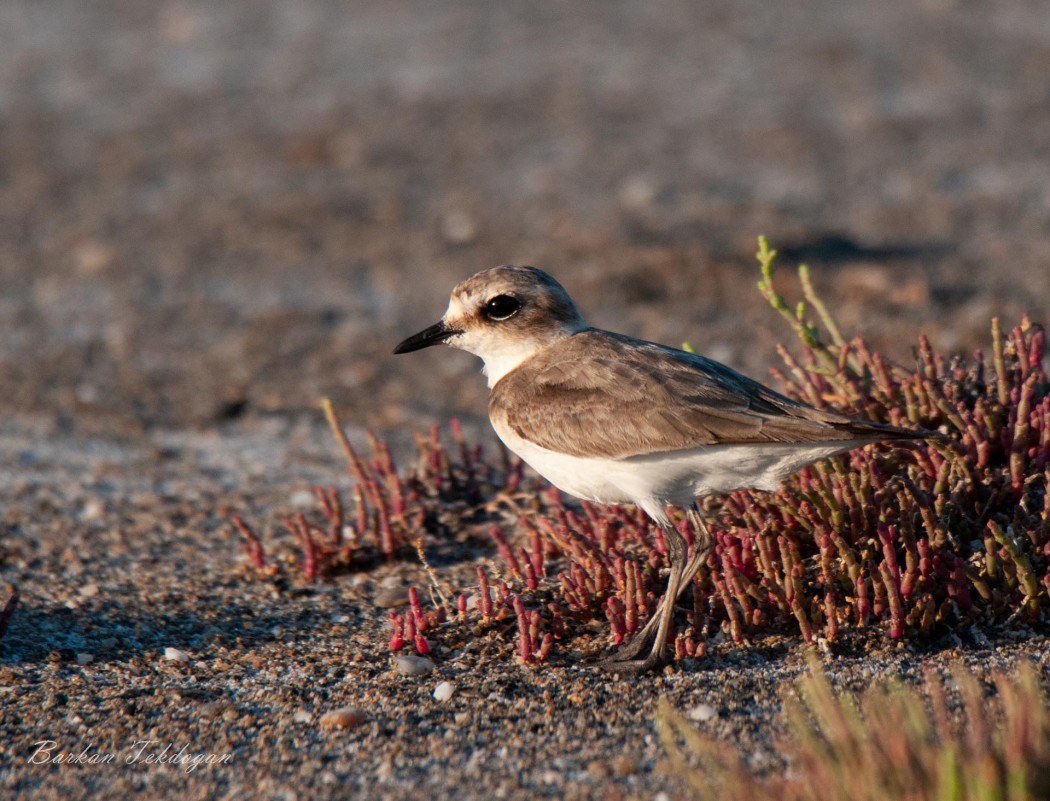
(598, 394)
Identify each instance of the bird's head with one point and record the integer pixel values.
(504, 315)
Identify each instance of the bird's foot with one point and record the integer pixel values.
(633, 667)
(628, 660)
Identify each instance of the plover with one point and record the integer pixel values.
(612, 419)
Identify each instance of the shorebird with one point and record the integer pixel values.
(613, 419)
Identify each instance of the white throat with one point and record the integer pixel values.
(499, 354)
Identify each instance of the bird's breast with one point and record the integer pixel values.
(588, 478)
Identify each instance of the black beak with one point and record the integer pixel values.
(434, 335)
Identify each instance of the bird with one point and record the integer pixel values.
(612, 419)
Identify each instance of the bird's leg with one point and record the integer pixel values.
(627, 656)
(625, 659)
(701, 548)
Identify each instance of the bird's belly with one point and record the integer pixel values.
(672, 477)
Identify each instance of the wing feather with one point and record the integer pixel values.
(599, 394)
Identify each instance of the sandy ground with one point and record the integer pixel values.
(213, 214)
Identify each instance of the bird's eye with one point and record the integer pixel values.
(501, 307)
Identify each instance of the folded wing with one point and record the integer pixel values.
(599, 394)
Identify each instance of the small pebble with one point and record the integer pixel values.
(637, 192)
(212, 709)
(303, 499)
(624, 765)
(598, 769)
(458, 227)
(89, 591)
(391, 597)
(92, 257)
(345, 718)
(302, 716)
(757, 760)
(444, 691)
(175, 655)
(409, 665)
(94, 509)
(85, 659)
(702, 712)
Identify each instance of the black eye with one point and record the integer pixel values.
(501, 307)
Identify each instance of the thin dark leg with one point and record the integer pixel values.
(701, 548)
(626, 658)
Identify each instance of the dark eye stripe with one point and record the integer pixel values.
(501, 307)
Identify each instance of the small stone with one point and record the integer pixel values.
(85, 659)
(865, 280)
(391, 597)
(89, 590)
(212, 709)
(175, 655)
(702, 713)
(637, 192)
(345, 718)
(93, 257)
(598, 769)
(302, 716)
(408, 665)
(444, 691)
(911, 293)
(757, 760)
(303, 499)
(87, 393)
(385, 772)
(624, 765)
(458, 227)
(94, 509)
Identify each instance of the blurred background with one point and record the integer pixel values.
(224, 210)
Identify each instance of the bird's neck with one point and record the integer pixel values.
(506, 356)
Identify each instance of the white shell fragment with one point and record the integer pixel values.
(175, 655)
